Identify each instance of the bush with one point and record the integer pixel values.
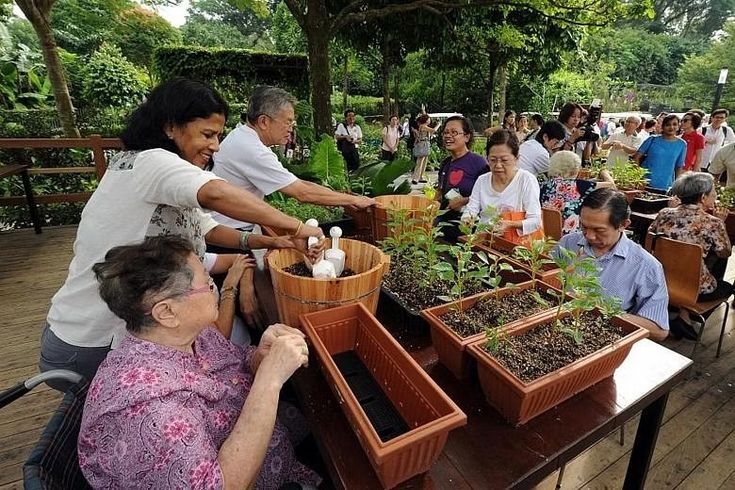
(110, 80)
(234, 72)
(363, 105)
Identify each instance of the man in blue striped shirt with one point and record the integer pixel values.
(627, 271)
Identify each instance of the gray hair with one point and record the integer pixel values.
(636, 118)
(691, 186)
(564, 164)
(268, 100)
(133, 278)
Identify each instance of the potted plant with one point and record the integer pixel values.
(649, 202)
(399, 414)
(629, 178)
(457, 324)
(534, 259)
(528, 370)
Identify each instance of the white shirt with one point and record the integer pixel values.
(724, 160)
(390, 134)
(244, 161)
(621, 156)
(148, 193)
(713, 141)
(533, 157)
(353, 131)
(522, 194)
(643, 134)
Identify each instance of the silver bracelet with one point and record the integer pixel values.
(244, 237)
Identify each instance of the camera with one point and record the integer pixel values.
(593, 115)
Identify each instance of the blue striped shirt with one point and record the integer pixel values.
(630, 273)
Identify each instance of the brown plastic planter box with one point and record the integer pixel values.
(428, 411)
(519, 402)
(649, 203)
(450, 347)
(549, 274)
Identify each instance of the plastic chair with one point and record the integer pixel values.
(551, 219)
(53, 462)
(682, 264)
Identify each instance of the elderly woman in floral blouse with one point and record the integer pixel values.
(177, 405)
(691, 222)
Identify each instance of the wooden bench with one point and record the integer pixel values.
(22, 170)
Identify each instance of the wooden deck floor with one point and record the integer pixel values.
(696, 446)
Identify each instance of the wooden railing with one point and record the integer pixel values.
(96, 143)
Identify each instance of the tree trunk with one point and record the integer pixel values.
(502, 86)
(317, 31)
(396, 77)
(345, 84)
(40, 22)
(443, 87)
(385, 87)
(490, 95)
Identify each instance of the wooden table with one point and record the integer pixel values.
(488, 452)
(640, 223)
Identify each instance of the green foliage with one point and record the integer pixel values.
(328, 165)
(36, 123)
(234, 72)
(628, 175)
(286, 32)
(362, 104)
(81, 26)
(726, 197)
(23, 81)
(304, 211)
(213, 34)
(139, 31)
(536, 255)
(110, 80)
(219, 23)
(376, 179)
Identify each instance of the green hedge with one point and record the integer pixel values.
(234, 72)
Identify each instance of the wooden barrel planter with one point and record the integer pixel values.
(415, 204)
(296, 295)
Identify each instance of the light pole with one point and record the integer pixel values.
(720, 85)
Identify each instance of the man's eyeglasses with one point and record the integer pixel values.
(453, 134)
(289, 124)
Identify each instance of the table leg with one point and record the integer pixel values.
(645, 443)
(31, 201)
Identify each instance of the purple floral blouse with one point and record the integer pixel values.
(155, 417)
(690, 223)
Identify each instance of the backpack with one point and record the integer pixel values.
(724, 130)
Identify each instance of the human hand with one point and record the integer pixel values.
(272, 333)
(285, 355)
(721, 212)
(248, 300)
(306, 231)
(504, 224)
(361, 202)
(456, 204)
(315, 251)
(235, 273)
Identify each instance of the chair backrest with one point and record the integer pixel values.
(551, 219)
(53, 463)
(682, 264)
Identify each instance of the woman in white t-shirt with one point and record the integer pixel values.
(389, 148)
(157, 186)
(512, 192)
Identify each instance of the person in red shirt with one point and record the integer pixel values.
(694, 140)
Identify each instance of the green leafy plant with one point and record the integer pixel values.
(304, 211)
(494, 339)
(426, 237)
(726, 197)
(536, 255)
(628, 175)
(376, 179)
(325, 166)
(111, 80)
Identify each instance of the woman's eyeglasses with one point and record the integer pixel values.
(209, 288)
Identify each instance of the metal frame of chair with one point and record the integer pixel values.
(682, 262)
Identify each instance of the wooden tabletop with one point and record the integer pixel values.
(488, 452)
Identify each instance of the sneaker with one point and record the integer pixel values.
(423, 181)
(415, 182)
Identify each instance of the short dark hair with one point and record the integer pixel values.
(720, 111)
(649, 123)
(347, 111)
(669, 117)
(466, 127)
(503, 137)
(696, 119)
(698, 112)
(537, 117)
(567, 110)
(176, 102)
(133, 278)
(553, 130)
(507, 114)
(610, 200)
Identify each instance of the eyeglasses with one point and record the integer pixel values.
(209, 288)
(289, 124)
(453, 134)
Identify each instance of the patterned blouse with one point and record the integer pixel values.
(156, 417)
(690, 223)
(566, 195)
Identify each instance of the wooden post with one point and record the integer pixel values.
(100, 162)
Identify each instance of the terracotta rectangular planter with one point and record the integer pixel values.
(549, 274)
(450, 347)
(428, 411)
(518, 402)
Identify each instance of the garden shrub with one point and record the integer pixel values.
(234, 72)
(110, 80)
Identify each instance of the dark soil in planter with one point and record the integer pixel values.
(649, 196)
(494, 312)
(403, 283)
(300, 269)
(384, 417)
(545, 349)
